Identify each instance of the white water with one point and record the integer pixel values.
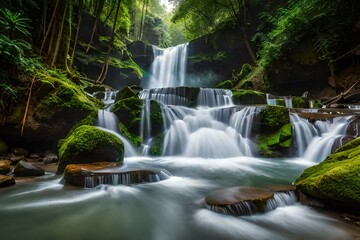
(169, 67)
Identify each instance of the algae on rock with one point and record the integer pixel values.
(88, 144)
(337, 178)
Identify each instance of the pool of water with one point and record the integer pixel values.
(166, 210)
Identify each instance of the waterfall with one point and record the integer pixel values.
(330, 133)
(107, 121)
(318, 140)
(209, 97)
(169, 67)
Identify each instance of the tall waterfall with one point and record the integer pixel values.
(169, 67)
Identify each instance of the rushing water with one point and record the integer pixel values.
(207, 146)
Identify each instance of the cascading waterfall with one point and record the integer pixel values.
(108, 121)
(169, 67)
(204, 131)
(316, 141)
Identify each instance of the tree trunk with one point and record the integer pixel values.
(81, 6)
(97, 11)
(141, 21)
(105, 67)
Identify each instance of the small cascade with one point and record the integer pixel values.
(209, 97)
(169, 67)
(125, 178)
(244, 208)
(107, 121)
(167, 96)
(304, 132)
(281, 199)
(129, 148)
(330, 133)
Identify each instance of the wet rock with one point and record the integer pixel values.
(88, 144)
(34, 156)
(6, 181)
(50, 158)
(238, 201)
(4, 148)
(15, 159)
(18, 151)
(335, 181)
(23, 169)
(91, 175)
(5, 166)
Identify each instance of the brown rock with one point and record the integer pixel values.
(6, 181)
(24, 169)
(93, 174)
(5, 166)
(239, 201)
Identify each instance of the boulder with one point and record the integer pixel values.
(88, 144)
(50, 158)
(238, 201)
(246, 97)
(25, 169)
(93, 174)
(336, 180)
(5, 166)
(18, 151)
(6, 181)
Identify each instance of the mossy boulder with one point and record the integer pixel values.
(88, 144)
(278, 144)
(274, 117)
(156, 118)
(227, 84)
(337, 178)
(128, 111)
(246, 97)
(126, 92)
(6, 181)
(300, 102)
(26, 169)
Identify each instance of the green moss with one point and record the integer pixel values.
(245, 71)
(135, 139)
(88, 144)
(276, 144)
(208, 57)
(299, 102)
(248, 97)
(126, 92)
(157, 146)
(336, 178)
(156, 118)
(227, 84)
(274, 117)
(128, 111)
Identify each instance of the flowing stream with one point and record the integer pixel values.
(208, 144)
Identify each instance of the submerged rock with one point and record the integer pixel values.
(6, 181)
(88, 144)
(336, 180)
(91, 175)
(24, 169)
(5, 166)
(240, 201)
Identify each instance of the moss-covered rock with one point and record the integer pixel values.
(128, 111)
(337, 178)
(156, 118)
(6, 181)
(274, 117)
(88, 144)
(300, 102)
(278, 144)
(126, 92)
(227, 84)
(246, 97)
(157, 146)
